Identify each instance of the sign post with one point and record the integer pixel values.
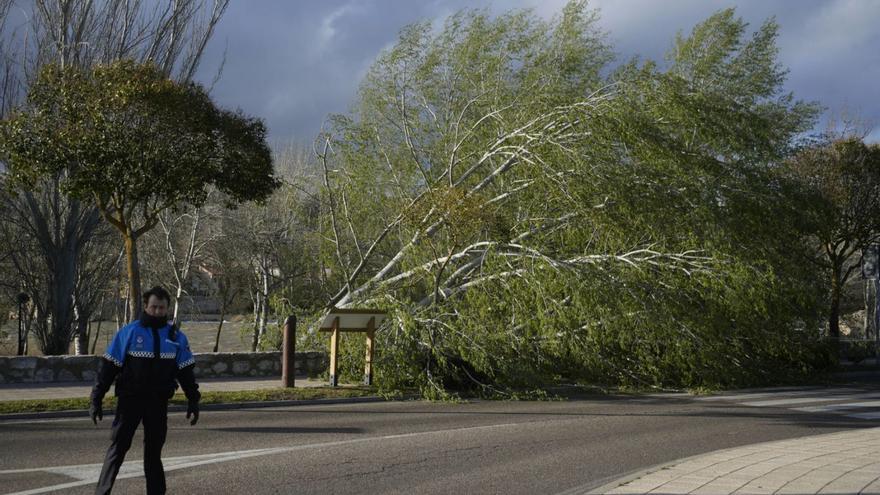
(365, 321)
(288, 356)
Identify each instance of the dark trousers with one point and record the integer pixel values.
(130, 411)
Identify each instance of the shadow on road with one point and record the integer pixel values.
(624, 406)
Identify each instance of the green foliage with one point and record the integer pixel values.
(839, 186)
(537, 220)
(842, 179)
(126, 136)
(135, 143)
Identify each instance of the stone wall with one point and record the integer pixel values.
(32, 369)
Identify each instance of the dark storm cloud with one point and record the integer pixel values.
(294, 62)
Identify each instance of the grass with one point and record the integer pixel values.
(272, 394)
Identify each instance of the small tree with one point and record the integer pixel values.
(842, 180)
(54, 233)
(134, 142)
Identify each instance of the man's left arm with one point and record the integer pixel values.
(186, 377)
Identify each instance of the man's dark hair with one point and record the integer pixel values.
(158, 292)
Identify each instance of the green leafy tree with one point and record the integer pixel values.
(841, 181)
(134, 142)
(526, 211)
(56, 249)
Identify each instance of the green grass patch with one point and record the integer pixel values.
(272, 394)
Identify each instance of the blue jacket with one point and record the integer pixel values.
(148, 362)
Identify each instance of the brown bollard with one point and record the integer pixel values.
(288, 363)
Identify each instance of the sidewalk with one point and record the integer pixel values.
(843, 462)
(70, 390)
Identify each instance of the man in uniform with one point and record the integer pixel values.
(147, 358)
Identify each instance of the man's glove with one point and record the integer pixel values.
(96, 410)
(107, 372)
(192, 409)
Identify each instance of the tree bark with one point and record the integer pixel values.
(219, 328)
(97, 333)
(81, 340)
(134, 274)
(834, 312)
(264, 313)
(258, 310)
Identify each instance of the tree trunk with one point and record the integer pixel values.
(178, 292)
(870, 307)
(258, 310)
(219, 328)
(81, 341)
(81, 330)
(97, 334)
(264, 313)
(117, 311)
(134, 275)
(834, 313)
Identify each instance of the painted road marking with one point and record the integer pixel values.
(788, 393)
(87, 474)
(839, 407)
(841, 399)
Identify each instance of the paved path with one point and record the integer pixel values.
(69, 390)
(840, 463)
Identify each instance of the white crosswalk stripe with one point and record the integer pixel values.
(849, 402)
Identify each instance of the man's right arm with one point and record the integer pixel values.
(108, 367)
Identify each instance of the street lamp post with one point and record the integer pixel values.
(22, 300)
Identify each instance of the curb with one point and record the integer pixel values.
(223, 406)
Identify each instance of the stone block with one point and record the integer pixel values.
(23, 363)
(65, 375)
(44, 375)
(30, 369)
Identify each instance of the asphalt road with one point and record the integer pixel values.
(406, 447)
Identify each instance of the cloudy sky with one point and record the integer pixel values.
(293, 62)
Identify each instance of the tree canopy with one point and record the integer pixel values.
(840, 180)
(527, 210)
(134, 142)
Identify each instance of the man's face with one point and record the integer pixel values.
(157, 307)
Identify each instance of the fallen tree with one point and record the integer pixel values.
(526, 217)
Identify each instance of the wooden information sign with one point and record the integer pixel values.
(352, 320)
